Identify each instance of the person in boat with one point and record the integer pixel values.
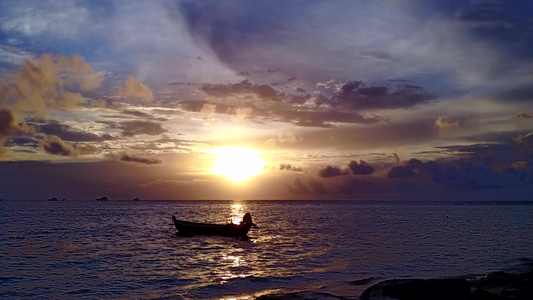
(247, 219)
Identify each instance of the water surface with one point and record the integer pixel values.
(130, 250)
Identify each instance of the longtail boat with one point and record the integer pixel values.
(186, 228)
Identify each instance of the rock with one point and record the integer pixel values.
(307, 295)
(419, 289)
(502, 285)
(481, 294)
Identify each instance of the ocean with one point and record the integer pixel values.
(130, 250)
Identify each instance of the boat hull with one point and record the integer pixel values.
(190, 229)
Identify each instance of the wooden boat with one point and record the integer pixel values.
(186, 228)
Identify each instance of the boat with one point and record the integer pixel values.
(104, 198)
(52, 199)
(136, 199)
(186, 228)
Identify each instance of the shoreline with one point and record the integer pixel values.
(512, 284)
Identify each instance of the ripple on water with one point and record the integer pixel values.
(130, 249)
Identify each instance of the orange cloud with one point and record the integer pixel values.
(41, 83)
(136, 89)
(445, 123)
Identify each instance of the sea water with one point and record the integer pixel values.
(130, 250)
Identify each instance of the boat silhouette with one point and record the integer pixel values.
(186, 228)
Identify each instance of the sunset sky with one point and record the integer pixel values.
(392, 99)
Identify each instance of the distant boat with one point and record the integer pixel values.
(136, 199)
(186, 228)
(53, 199)
(102, 199)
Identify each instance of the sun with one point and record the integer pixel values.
(237, 163)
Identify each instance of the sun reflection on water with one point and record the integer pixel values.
(237, 212)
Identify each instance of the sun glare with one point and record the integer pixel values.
(237, 163)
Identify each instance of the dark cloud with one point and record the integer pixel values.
(361, 168)
(133, 128)
(331, 171)
(401, 172)
(136, 113)
(54, 145)
(289, 167)
(484, 154)
(243, 88)
(524, 115)
(21, 141)
(65, 132)
(360, 95)
(305, 117)
(10, 126)
(126, 157)
(310, 118)
(8, 123)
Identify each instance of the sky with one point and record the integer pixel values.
(388, 99)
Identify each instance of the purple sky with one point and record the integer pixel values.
(345, 99)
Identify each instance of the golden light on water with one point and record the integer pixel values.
(237, 163)
(237, 212)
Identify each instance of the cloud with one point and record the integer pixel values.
(310, 118)
(127, 157)
(284, 138)
(289, 167)
(135, 89)
(208, 110)
(10, 126)
(133, 128)
(44, 82)
(446, 123)
(524, 116)
(242, 113)
(361, 168)
(524, 142)
(396, 157)
(331, 171)
(360, 95)
(54, 145)
(65, 132)
(62, 18)
(401, 172)
(8, 122)
(241, 89)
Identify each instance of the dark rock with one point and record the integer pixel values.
(419, 289)
(481, 294)
(499, 278)
(504, 285)
(301, 296)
